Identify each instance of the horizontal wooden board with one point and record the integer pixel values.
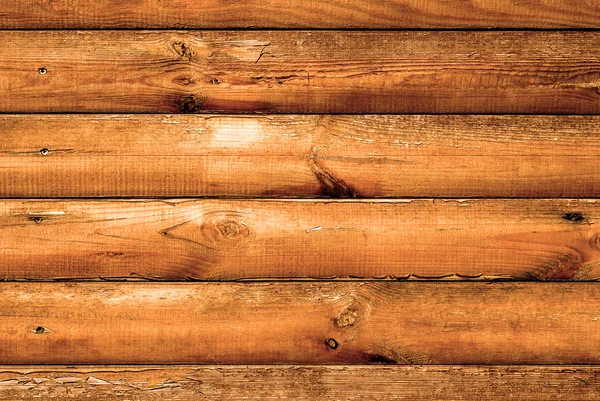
(301, 383)
(300, 14)
(234, 239)
(300, 71)
(299, 155)
(300, 323)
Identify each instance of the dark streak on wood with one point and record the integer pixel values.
(331, 186)
(299, 155)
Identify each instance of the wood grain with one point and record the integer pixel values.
(299, 155)
(300, 71)
(299, 14)
(301, 383)
(234, 239)
(300, 323)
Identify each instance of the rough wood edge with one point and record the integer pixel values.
(285, 382)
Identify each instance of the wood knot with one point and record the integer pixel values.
(595, 242)
(574, 217)
(347, 318)
(231, 229)
(41, 330)
(183, 50)
(224, 229)
(191, 104)
(35, 219)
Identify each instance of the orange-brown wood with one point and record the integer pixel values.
(299, 155)
(300, 14)
(234, 239)
(300, 383)
(300, 71)
(313, 294)
(343, 323)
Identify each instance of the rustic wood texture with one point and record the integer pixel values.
(314, 299)
(299, 155)
(233, 239)
(300, 71)
(301, 383)
(299, 14)
(300, 323)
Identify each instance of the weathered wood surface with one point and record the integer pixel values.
(300, 71)
(236, 239)
(300, 14)
(299, 155)
(300, 323)
(301, 383)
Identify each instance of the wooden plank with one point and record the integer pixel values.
(300, 71)
(300, 14)
(300, 323)
(299, 155)
(233, 239)
(301, 383)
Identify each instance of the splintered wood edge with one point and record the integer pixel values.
(283, 382)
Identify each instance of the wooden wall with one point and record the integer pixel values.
(300, 200)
